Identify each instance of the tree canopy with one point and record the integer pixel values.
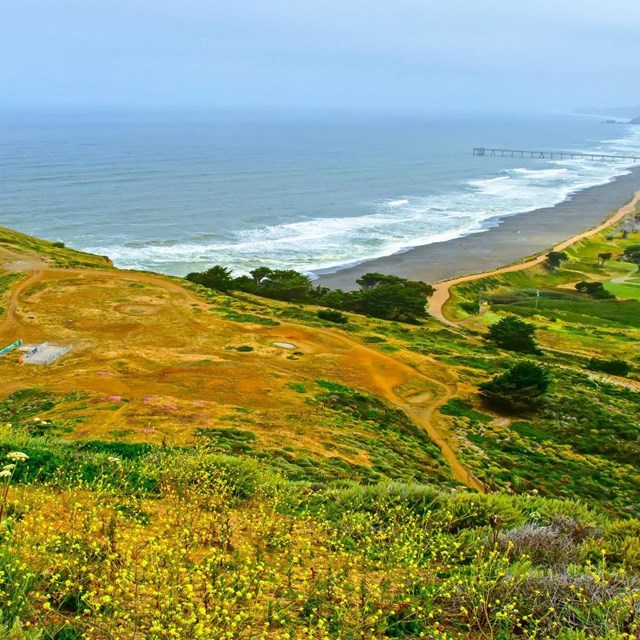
(514, 334)
(217, 277)
(517, 390)
(284, 284)
(381, 296)
(555, 259)
(392, 302)
(632, 254)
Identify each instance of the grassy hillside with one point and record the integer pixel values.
(119, 541)
(585, 441)
(204, 465)
(55, 252)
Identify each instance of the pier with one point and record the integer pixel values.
(551, 155)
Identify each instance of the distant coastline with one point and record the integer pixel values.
(503, 239)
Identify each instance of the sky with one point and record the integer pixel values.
(413, 55)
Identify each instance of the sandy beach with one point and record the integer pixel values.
(508, 239)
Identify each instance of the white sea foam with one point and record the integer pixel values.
(393, 225)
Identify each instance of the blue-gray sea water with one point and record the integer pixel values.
(177, 192)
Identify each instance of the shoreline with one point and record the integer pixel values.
(507, 239)
(442, 290)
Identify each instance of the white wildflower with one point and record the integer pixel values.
(114, 459)
(17, 456)
(5, 473)
(36, 419)
(8, 467)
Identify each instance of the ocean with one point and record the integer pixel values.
(178, 192)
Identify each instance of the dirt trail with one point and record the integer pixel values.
(420, 408)
(442, 289)
(40, 270)
(384, 373)
(16, 263)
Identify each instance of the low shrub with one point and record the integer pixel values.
(614, 367)
(471, 307)
(332, 316)
(518, 390)
(554, 545)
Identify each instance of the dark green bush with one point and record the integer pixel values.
(471, 307)
(514, 334)
(332, 316)
(517, 390)
(594, 289)
(614, 367)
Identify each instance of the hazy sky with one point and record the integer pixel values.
(392, 54)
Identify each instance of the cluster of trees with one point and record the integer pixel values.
(631, 254)
(380, 295)
(281, 284)
(521, 387)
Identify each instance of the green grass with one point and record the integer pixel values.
(60, 256)
(582, 445)
(628, 290)
(578, 310)
(459, 408)
(420, 560)
(234, 316)
(397, 448)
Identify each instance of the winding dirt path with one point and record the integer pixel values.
(420, 408)
(443, 289)
(39, 270)
(384, 373)
(16, 263)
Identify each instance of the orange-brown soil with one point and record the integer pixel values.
(156, 362)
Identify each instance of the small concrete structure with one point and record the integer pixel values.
(44, 354)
